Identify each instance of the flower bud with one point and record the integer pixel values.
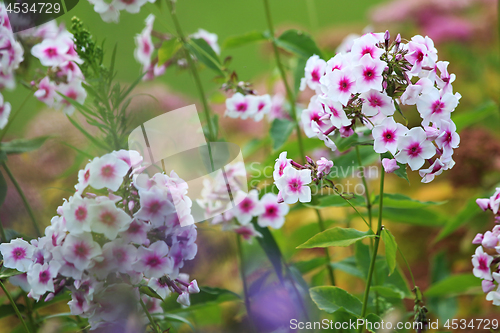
(390, 165)
(184, 299)
(49, 297)
(193, 287)
(478, 239)
(487, 286)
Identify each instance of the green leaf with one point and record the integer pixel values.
(206, 297)
(336, 236)
(87, 134)
(363, 258)
(414, 216)
(167, 50)
(453, 285)
(180, 319)
(470, 210)
(280, 131)
(147, 290)
(331, 299)
(349, 266)
(205, 54)
(401, 172)
(391, 249)
(402, 201)
(18, 146)
(7, 273)
(7, 310)
(388, 292)
(309, 265)
(372, 319)
(465, 119)
(298, 42)
(248, 38)
(270, 247)
(337, 201)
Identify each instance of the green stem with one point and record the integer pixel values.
(327, 253)
(194, 71)
(2, 233)
(14, 306)
(23, 197)
(244, 281)
(16, 113)
(375, 248)
(150, 318)
(29, 312)
(293, 114)
(407, 265)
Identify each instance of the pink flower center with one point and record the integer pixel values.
(81, 250)
(483, 264)
(19, 253)
(86, 175)
(107, 171)
(241, 107)
(295, 184)
(367, 50)
(51, 52)
(334, 111)
(44, 276)
(154, 207)
(271, 211)
(388, 136)
(437, 107)
(282, 167)
(345, 85)
(81, 213)
(247, 205)
(414, 149)
(374, 101)
(146, 47)
(119, 255)
(315, 75)
(153, 261)
(420, 56)
(369, 74)
(261, 106)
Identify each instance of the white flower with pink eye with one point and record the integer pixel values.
(80, 250)
(293, 185)
(79, 303)
(144, 44)
(375, 102)
(155, 206)
(72, 90)
(247, 232)
(21, 281)
(208, 37)
(76, 214)
(240, 106)
(137, 232)
(390, 165)
(421, 53)
(70, 71)
(108, 11)
(445, 79)
(51, 52)
(107, 171)
(120, 255)
(40, 278)
(414, 148)
(107, 219)
(339, 85)
(5, 109)
(46, 92)
(434, 170)
(83, 178)
(153, 260)
(17, 254)
(314, 70)
(131, 6)
(495, 201)
(434, 107)
(248, 207)
(314, 113)
(338, 62)
(67, 269)
(413, 91)
(131, 157)
(281, 163)
(274, 213)
(368, 74)
(481, 262)
(324, 166)
(338, 118)
(487, 286)
(387, 134)
(263, 104)
(160, 286)
(448, 139)
(366, 45)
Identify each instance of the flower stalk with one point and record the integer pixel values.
(16, 309)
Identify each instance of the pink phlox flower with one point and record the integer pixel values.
(294, 185)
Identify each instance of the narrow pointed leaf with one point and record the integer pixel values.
(298, 42)
(18, 146)
(391, 249)
(245, 39)
(336, 237)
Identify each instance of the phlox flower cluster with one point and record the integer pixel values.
(487, 255)
(245, 106)
(11, 55)
(366, 86)
(293, 179)
(56, 51)
(145, 48)
(238, 218)
(111, 235)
